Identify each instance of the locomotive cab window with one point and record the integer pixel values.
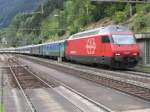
(123, 39)
(105, 39)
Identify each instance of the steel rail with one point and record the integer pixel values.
(104, 71)
(50, 86)
(104, 74)
(32, 108)
(146, 75)
(80, 94)
(46, 85)
(71, 89)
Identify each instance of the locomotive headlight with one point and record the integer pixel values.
(135, 54)
(117, 54)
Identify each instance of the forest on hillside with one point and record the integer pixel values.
(9, 8)
(62, 18)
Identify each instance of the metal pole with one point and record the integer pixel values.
(60, 56)
(131, 9)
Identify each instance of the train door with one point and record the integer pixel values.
(105, 44)
(41, 50)
(61, 45)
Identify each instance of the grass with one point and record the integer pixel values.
(143, 68)
(2, 109)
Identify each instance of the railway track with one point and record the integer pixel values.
(133, 72)
(18, 76)
(137, 85)
(26, 79)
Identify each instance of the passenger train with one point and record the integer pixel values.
(114, 46)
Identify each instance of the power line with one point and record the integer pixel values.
(125, 1)
(37, 29)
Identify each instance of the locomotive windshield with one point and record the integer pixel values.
(123, 39)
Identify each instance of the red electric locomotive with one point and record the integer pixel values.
(113, 45)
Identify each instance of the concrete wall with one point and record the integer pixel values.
(144, 42)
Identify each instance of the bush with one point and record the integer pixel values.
(143, 8)
(139, 23)
(147, 9)
(119, 17)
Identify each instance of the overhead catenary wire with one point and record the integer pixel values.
(124, 1)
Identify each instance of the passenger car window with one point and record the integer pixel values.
(105, 39)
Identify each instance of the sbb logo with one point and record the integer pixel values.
(91, 46)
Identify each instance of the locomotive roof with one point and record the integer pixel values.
(101, 30)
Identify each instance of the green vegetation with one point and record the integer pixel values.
(141, 22)
(9, 8)
(2, 108)
(65, 17)
(143, 68)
